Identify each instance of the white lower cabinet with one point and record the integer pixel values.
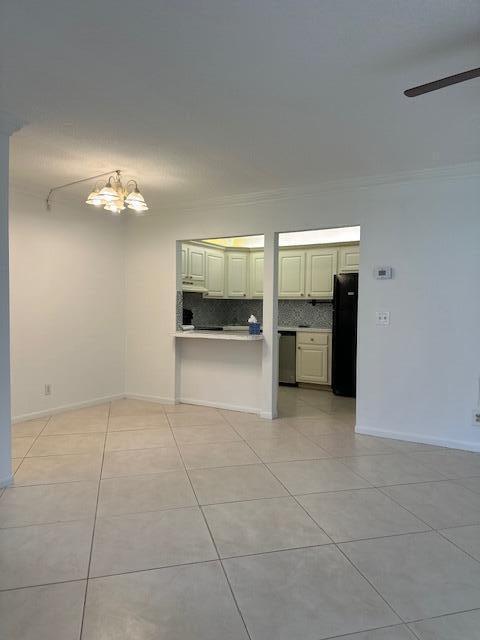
(314, 357)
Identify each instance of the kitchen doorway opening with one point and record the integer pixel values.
(317, 322)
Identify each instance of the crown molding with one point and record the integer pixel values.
(453, 172)
(10, 123)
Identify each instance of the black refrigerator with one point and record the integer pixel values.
(344, 334)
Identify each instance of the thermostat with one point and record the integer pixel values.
(383, 273)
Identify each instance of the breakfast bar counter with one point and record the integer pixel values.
(219, 335)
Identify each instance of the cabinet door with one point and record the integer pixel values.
(312, 364)
(291, 275)
(256, 274)
(237, 274)
(215, 268)
(184, 261)
(321, 267)
(196, 263)
(348, 259)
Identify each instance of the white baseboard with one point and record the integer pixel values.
(268, 415)
(140, 396)
(65, 407)
(421, 438)
(220, 405)
(6, 481)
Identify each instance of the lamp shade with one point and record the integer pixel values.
(108, 193)
(136, 201)
(95, 198)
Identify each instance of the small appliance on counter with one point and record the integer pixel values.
(187, 317)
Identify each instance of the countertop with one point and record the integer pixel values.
(219, 335)
(281, 328)
(309, 329)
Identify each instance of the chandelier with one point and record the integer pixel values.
(115, 197)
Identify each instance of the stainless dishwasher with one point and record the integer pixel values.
(287, 358)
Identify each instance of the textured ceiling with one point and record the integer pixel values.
(204, 98)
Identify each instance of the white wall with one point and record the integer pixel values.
(418, 378)
(67, 279)
(221, 373)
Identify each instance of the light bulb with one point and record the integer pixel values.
(115, 206)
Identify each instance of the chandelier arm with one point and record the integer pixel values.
(132, 181)
(71, 184)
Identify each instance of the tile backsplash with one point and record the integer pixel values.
(291, 313)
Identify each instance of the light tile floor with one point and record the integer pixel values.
(133, 520)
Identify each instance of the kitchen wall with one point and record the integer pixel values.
(67, 285)
(291, 313)
(417, 378)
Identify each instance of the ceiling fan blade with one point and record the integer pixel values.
(443, 82)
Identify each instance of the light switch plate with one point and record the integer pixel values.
(476, 417)
(382, 318)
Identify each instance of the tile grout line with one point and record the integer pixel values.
(339, 549)
(289, 494)
(212, 539)
(439, 531)
(390, 626)
(94, 524)
(30, 448)
(435, 530)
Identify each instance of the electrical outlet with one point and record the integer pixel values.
(48, 389)
(382, 318)
(476, 417)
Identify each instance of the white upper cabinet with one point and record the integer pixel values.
(321, 267)
(196, 260)
(256, 274)
(193, 267)
(237, 274)
(215, 273)
(184, 261)
(348, 259)
(304, 273)
(291, 276)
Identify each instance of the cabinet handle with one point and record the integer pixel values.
(302, 294)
